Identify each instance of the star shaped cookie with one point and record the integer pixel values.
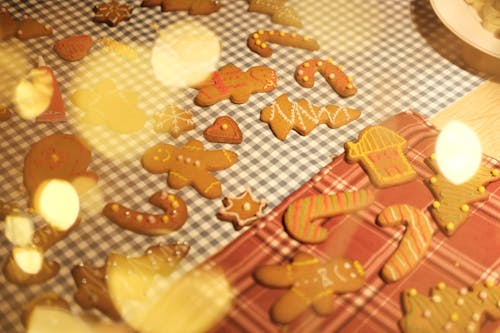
(112, 13)
(242, 210)
(104, 104)
(173, 120)
(189, 165)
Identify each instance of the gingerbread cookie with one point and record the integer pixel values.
(92, 291)
(20, 276)
(189, 165)
(265, 6)
(5, 113)
(55, 111)
(381, 153)
(302, 116)
(259, 41)
(451, 208)
(230, 82)
(300, 215)
(280, 14)
(334, 75)
(172, 219)
(29, 28)
(61, 156)
(242, 210)
(112, 13)
(194, 7)
(45, 299)
(8, 24)
(311, 283)
(173, 121)
(224, 130)
(414, 243)
(450, 310)
(73, 48)
(105, 104)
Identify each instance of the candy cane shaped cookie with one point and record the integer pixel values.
(415, 241)
(258, 41)
(300, 215)
(333, 74)
(150, 224)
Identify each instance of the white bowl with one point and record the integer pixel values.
(463, 20)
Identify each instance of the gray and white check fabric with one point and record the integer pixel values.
(399, 54)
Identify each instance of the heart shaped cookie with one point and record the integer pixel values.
(224, 130)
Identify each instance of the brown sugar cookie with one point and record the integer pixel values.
(194, 7)
(242, 210)
(259, 41)
(73, 48)
(312, 284)
(173, 120)
(333, 74)
(189, 165)
(451, 310)
(112, 13)
(302, 116)
(381, 153)
(451, 206)
(62, 156)
(15, 274)
(8, 24)
(174, 216)
(29, 28)
(231, 82)
(224, 130)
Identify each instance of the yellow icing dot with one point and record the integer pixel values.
(450, 226)
(294, 35)
(433, 156)
(481, 189)
(433, 180)
(412, 292)
(464, 208)
(282, 33)
(271, 32)
(171, 198)
(349, 78)
(54, 157)
(306, 65)
(261, 32)
(454, 317)
(495, 172)
(341, 67)
(156, 158)
(263, 45)
(164, 219)
(306, 38)
(305, 78)
(489, 283)
(224, 126)
(255, 35)
(329, 60)
(175, 204)
(436, 204)
(115, 207)
(441, 285)
(349, 86)
(258, 42)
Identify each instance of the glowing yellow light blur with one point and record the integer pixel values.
(458, 152)
(33, 93)
(29, 259)
(19, 229)
(47, 319)
(57, 201)
(13, 67)
(185, 54)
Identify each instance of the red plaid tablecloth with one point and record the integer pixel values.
(471, 255)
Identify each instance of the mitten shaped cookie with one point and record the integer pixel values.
(311, 283)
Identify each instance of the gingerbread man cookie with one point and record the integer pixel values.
(451, 310)
(311, 283)
(242, 210)
(174, 217)
(189, 165)
(334, 75)
(194, 7)
(230, 82)
(112, 13)
(300, 215)
(451, 206)
(381, 153)
(301, 116)
(173, 120)
(224, 130)
(258, 41)
(414, 243)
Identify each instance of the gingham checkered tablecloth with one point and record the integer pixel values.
(400, 55)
